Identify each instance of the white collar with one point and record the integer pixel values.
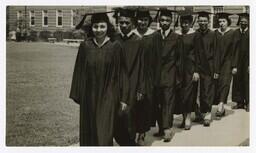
(244, 29)
(128, 35)
(166, 32)
(228, 28)
(190, 31)
(104, 42)
(148, 32)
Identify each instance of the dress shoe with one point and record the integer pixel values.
(220, 114)
(167, 137)
(238, 106)
(141, 140)
(207, 122)
(198, 119)
(247, 108)
(187, 127)
(158, 134)
(182, 125)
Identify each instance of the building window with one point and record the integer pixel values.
(45, 18)
(32, 18)
(73, 17)
(59, 16)
(19, 15)
(247, 9)
(217, 9)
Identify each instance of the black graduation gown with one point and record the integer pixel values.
(132, 56)
(240, 91)
(166, 67)
(208, 63)
(96, 86)
(187, 94)
(225, 53)
(148, 48)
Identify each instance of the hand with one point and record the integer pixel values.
(139, 96)
(195, 77)
(123, 106)
(234, 70)
(216, 76)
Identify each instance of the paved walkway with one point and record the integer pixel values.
(232, 130)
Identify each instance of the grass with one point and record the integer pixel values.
(38, 109)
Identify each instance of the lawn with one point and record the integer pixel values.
(38, 109)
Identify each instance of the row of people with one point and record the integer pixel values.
(127, 82)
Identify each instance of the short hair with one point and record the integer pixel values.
(97, 18)
(227, 18)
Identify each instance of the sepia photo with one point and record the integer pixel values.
(133, 75)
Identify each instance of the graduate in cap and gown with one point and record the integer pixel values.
(127, 121)
(225, 52)
(166, 73)
(187, 94)
(97, 84)
(144, 94)
(240, 91)
(142, 23)
(208, 62)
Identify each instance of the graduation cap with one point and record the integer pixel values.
(242, 15)
(95, 17)
(164, 12)
(185, 15)
(125, 12)
(224, 15)
(203, 14)
(142, 12)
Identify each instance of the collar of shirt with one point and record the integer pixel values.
(128, 35)
(104, 42)
(190, 31)
(166, 33)
(244, 29)
(224, 31)
(203, 32)
(148, 32)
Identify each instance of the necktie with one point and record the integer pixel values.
(163, 34)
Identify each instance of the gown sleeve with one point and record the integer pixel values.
(216, 56)
(122, 77)
(197, 40)
(179, 61)
(78, 75)
(236, 52)
(148, 62)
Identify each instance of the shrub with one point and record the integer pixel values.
(78, 34)
(33, 36)
(58, 35)
(68, 35)
(44, 35)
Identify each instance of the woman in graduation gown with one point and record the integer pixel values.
(143, 107)
(189, 84)
(97, 83)
(224, 52)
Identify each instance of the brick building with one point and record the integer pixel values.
(54, 19)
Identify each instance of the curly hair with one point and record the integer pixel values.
(228, 20)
